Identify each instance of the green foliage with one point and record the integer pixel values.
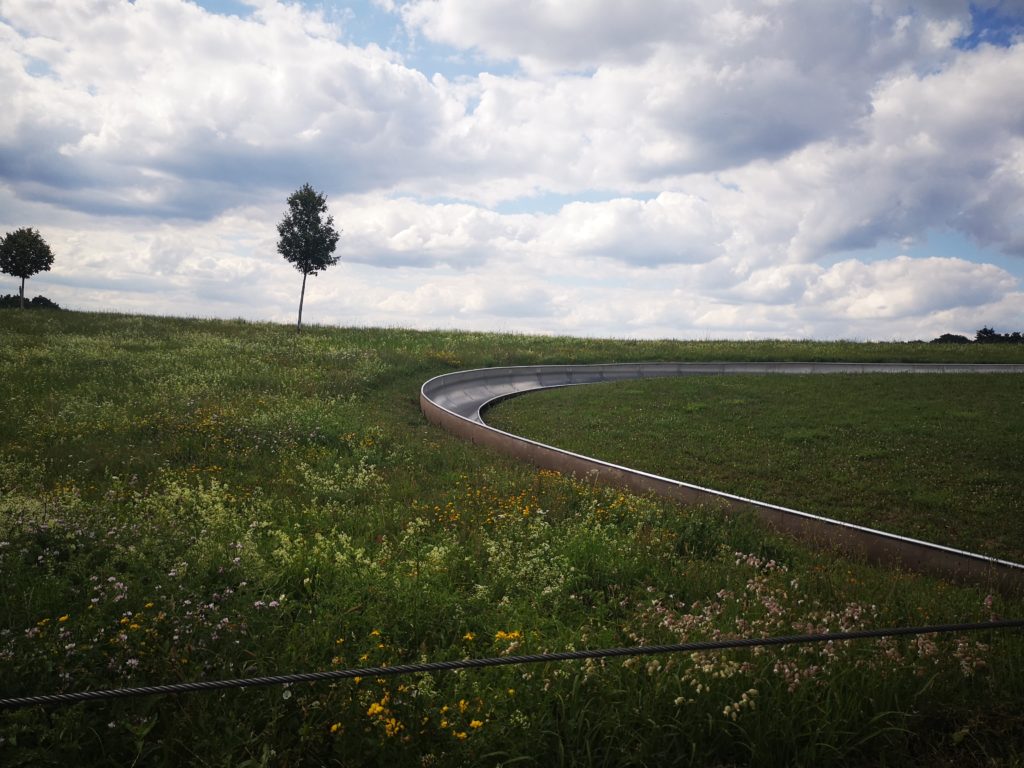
(200, 500)
(989, 336)
(307, 236)
(10, 301)
(24, 253)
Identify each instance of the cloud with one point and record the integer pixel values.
(404, 232)
(218, 114)
(945, 149)
(545, 35)
(720, 168)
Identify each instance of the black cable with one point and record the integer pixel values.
(501, 661)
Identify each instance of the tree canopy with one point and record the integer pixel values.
(307, 236)
(24, 253)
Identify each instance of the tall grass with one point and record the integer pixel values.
(188, 500)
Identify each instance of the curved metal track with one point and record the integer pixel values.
(456, 401)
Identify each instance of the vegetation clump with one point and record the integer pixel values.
(24, 253)
(11, 301)
(984, 335)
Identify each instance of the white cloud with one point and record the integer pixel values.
(218, 113)
(741, 151)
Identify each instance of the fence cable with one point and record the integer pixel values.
(500, 661)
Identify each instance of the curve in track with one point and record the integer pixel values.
(456, 402)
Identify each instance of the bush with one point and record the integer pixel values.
(11, 301)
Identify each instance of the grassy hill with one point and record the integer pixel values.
(186, 499)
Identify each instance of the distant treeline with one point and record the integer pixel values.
(10, 301)
(984, 336)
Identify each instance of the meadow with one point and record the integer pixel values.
(188, 499)
(930, 456)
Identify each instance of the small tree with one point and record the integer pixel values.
(23, 253)
(307, 238)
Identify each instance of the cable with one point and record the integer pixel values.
(502, 661)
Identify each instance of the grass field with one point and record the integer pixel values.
(935, 457)
(187, 500)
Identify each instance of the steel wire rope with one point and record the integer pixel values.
(498, 661)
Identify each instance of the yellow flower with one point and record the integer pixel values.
(476, 724)
(64, 618)
(375, 633)
(467, 637)
(463, 705)
(375, 709)
(336, 727)
(148, 605)
(460, 735)
(393, 726)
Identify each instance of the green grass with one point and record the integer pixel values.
(935, 457)
(186, 499)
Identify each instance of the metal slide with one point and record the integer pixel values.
(456, 401)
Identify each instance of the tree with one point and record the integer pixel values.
(23, 253)
(951, 338)
(307, 237)
(987, 336)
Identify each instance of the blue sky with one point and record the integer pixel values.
(738, 168)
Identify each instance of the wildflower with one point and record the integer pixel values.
(476, 724)
(460, 735)
(64, 618)
(374, 710)
(463, 705)
(468, 637)
(335, 727)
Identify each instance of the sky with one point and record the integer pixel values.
(692, 169)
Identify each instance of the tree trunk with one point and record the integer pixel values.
(21, 295)
(302, 297)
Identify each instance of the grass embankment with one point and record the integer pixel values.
(185, 500)
(936, 457)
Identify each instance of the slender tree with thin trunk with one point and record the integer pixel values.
(23, 253)
(307, 237)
